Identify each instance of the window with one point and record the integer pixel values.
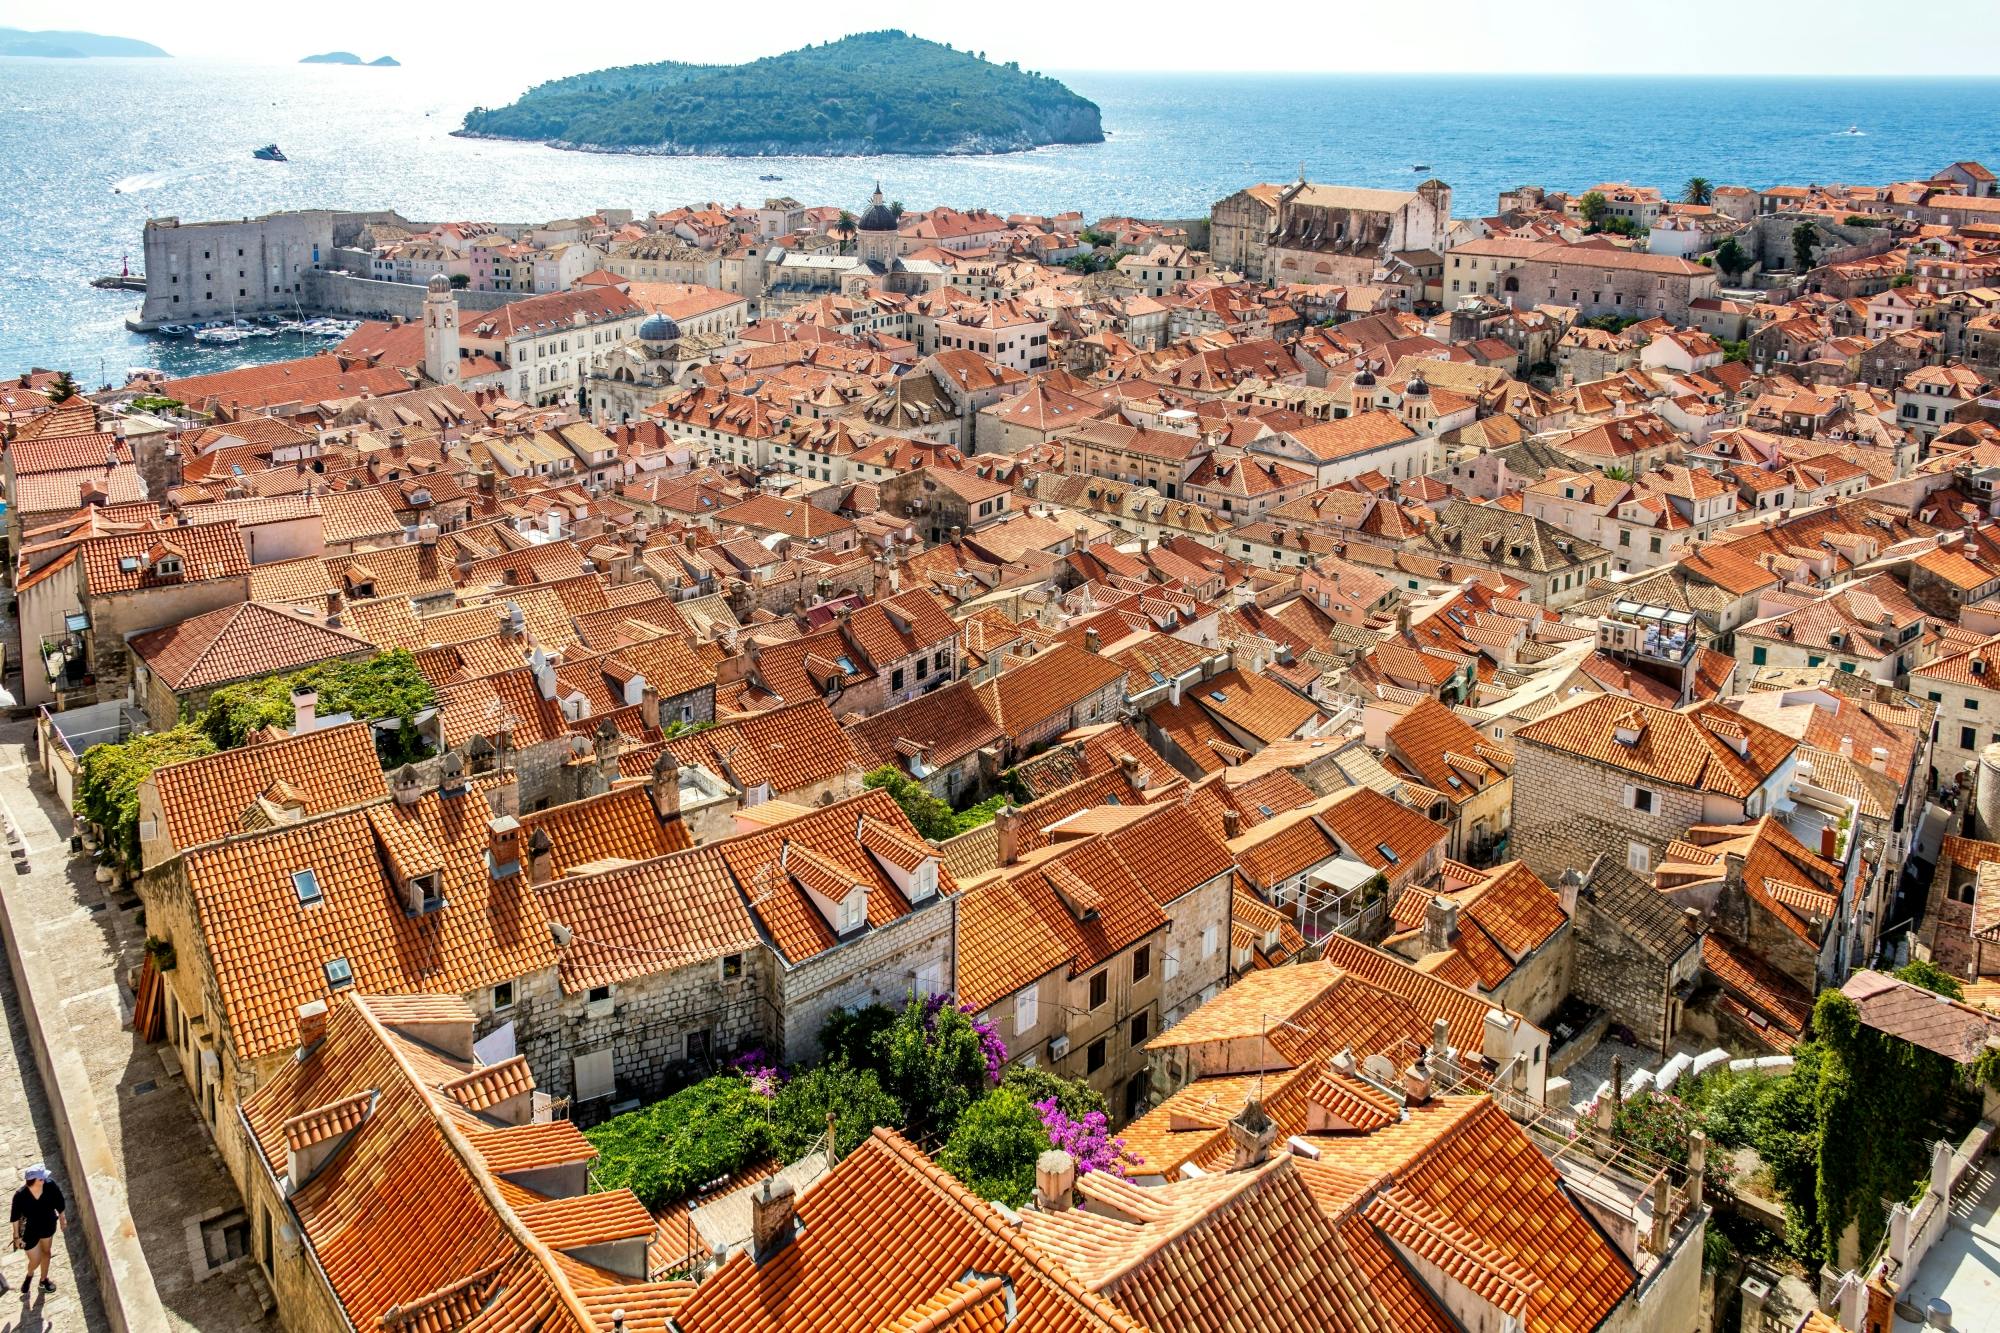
(1968, 739)
(1028, 1009)
(593, 1076)
(306, 884)
(1638, 858)
(1141, 1029)
(853, 913)
(503, 995)
(338, 974)
(1208, 936)
(732, 966)
(1758, 656)
(598, 995)
(1142, 963)
(1641, 799)
(1094, 1058)
(1100, 989)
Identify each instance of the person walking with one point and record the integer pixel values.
(37, 1217)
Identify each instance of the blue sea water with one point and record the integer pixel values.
(173, 138)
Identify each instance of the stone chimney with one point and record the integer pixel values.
(665, 785)
(1691, 920)
(1055, 1181)
(503, 846)
(407, 786)
(1569, 886)
(1417, 1083)
(1006, 835)
(1878, 759)
(1232, 824)
(541, 857)
(1251, 1134)
(312, 1025)
(305, 706)
(451, 774)
(333, 608)
(1440, 923)
(773, 1216)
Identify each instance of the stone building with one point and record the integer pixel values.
(1338, 234)
(1239, 231)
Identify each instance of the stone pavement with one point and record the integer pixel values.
(27, 1136)
(84, 942)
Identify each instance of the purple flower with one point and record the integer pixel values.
(765, 1077)
(990, 1043)
(1087, 1139)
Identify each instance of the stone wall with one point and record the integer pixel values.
(1567, 810)
(1542, 980)
(879, 967)
(325, 292)
(1184, 973)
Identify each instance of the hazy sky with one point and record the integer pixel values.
(1834, 37)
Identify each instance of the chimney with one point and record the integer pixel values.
(772, 1219)
(1232, 824)
(541, 857)
(312, 1025)
(1417, 1083)
(1055, 1181)
(407, 786)
(1402, 618)
(1878, 759)
(333, 607)
(1251, 1134)
(1440, 923)
(503, 846)
(1570, 886)
(1691, 920)
(451, 774)
(1092, 641)
(305, 705)
(1007, 835)
(665, 785)
(1847, 747)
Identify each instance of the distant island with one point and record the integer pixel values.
(71, 45)
(347, 58)
(877, 92)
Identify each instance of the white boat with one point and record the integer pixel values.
(221, 337)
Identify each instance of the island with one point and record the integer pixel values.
(71, 45)
(877, 92)
(348, 58)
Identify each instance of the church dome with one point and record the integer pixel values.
(879, 216)
(439, 283)
(659, 329)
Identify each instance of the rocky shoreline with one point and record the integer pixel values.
(777, 148)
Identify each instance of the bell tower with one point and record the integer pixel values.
(440, 331)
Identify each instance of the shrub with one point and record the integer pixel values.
(387, 686)
(1073, 1095)
(109, 776)
(940, 1062)
(672, 1148)
(858, 1037)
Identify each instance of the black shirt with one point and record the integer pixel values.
(37, 1216)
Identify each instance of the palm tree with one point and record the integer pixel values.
(1698, 190)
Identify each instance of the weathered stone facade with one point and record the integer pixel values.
(883, 965)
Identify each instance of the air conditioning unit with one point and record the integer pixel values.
(1058, 1047)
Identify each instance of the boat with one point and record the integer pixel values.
(1420, 166)
(270, 152)
(768, 176)
(1853, 129)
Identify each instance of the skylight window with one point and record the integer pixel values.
(1387, 855)
(128, 564)
(1218, 696)
(846, 663)
(306, 884)
(338, 973)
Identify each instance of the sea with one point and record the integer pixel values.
(90, 149)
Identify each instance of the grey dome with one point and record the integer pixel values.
(659, 329)
(439, 283)
(878, 216)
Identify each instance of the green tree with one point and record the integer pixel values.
(933, 817)
(108, 781)
(858, 1037)
(1698, 190)
(853, 1097)
(937, 1067)
(386, 686)
(993, 1148)
(1595, 208)
(1076, 1098)
(1923, 972)
(1739, 350)
(1805, 236)
(1903, 280)
(670, 1149)
(1732, 258)
(62, 388)
(460, 281)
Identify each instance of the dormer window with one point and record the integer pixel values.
(425, 893)
(853, 913)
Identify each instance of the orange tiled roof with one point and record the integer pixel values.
(333, 768)
(240, 642)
